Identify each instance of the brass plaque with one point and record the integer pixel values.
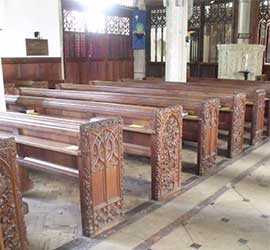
(37, 47)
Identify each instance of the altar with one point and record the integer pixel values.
(237, 60)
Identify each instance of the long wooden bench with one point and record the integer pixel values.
(88, 152)
(240, 84)
(232, 112)
(195, 128)
(11, 88)
(255, 106)
(12, 226)
(147, 132)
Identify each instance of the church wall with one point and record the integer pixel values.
(21, 20)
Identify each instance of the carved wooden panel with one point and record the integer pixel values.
(258, 117)
(194, 23)
(118, 25)
(11, 211)
(101, 177)
(157, 30)
(209, 135)
(34, 69)
(1, 239)
(238, 121)
(263, 27)
(166, 152)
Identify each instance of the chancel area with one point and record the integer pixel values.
(134, 124)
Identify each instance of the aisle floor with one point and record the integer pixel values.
(226, 210)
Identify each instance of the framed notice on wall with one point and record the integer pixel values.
(37, 47)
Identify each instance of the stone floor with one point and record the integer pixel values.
(226, 210)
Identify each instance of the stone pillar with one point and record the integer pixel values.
(244, 21)
(139, 55)
(2, 95)
(176, 45)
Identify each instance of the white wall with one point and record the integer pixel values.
(22, 18)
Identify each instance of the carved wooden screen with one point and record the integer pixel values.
(158, 34)
(211, 24)
(97, 46)
(194, 28)
(218, 27)
(85, 44)
(264, 27)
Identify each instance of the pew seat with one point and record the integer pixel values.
(68, 148)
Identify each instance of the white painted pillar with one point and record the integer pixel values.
(61, 25)
(139, 54)
(244, 21)
(2, 94)
(176, 45)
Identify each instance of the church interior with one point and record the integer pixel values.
(84, 82)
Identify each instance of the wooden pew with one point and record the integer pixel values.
(196, 129)
(70, 149)
(241, 84)
(255, 107)
(12, 226)
(147, 132)
(11, 88)
(232, 113)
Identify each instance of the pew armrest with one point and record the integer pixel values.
(44, 144)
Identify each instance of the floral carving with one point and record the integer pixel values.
(11, 212)
(238, 125)
(209, 134)
(166, 152)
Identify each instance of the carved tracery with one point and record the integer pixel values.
(264, 27)
(103, 152)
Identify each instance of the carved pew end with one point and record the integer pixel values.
(101, 174)
(207, 145)
(166, 150)
(236, 134)
(258, 118)
(12, 227)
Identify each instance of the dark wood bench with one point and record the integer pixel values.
(12, 226)
(255, 108)
(147, 132)
(11, 88)
(232, 112)
(69, 148)
(248, 86)
(195, 128)
(254, 111)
